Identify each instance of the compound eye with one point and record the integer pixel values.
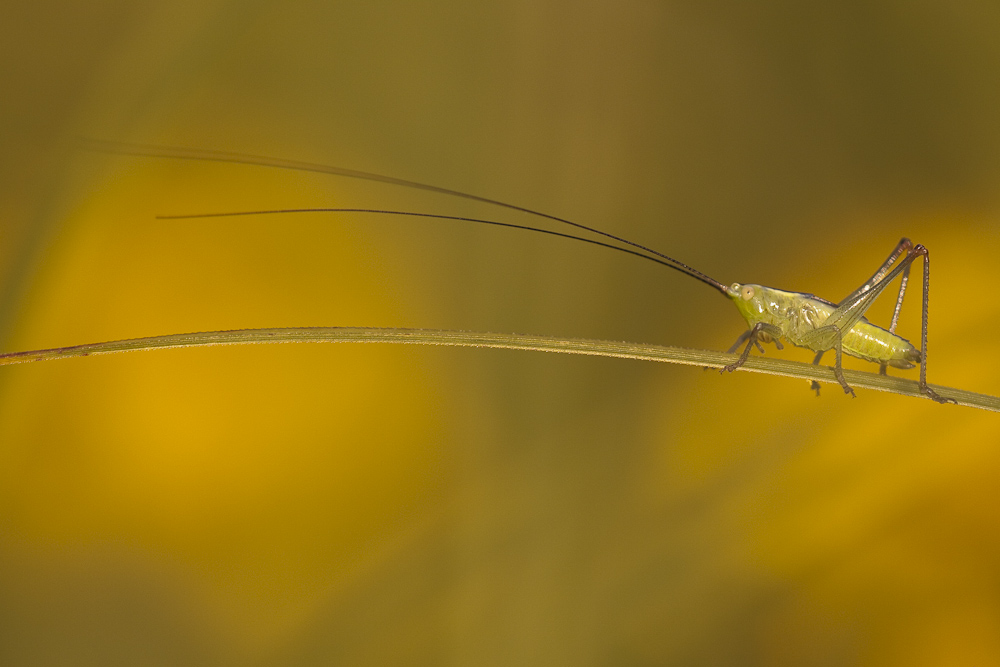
(747, 293)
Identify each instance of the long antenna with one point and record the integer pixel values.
(148, 150)
(460, 218)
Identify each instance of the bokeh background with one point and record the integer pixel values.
(363, 504)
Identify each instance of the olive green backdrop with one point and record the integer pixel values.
(361, 504)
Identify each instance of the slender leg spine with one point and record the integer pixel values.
(921, 250)
(899, 302)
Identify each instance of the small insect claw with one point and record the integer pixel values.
(933, 395)
(815, 387)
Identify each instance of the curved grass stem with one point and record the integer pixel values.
(602, 348)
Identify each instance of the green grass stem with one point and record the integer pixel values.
(601, 348)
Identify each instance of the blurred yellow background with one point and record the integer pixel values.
(363, 504)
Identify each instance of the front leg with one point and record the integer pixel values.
(758, 329)
(739, 341)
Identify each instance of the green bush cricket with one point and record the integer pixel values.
(772, 315)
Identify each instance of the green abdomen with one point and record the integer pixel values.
(871, 343)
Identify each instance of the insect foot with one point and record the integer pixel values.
(933, 395)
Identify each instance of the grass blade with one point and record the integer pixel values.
(601, 348)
